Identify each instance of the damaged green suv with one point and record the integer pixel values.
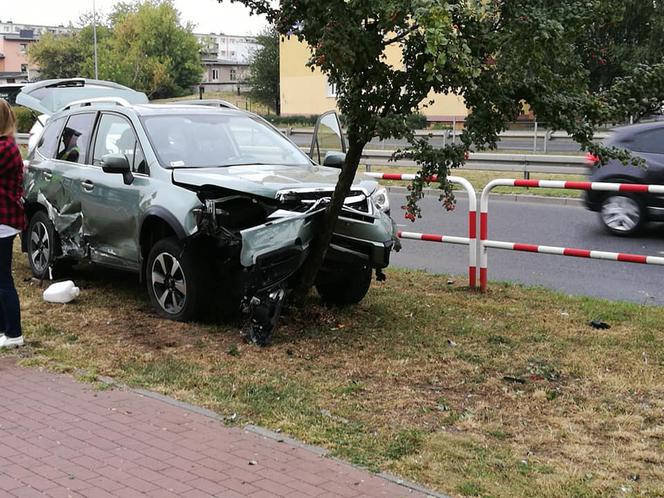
(212, 206)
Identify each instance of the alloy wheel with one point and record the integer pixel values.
(621, 213)
(169, 283)
(40, 247)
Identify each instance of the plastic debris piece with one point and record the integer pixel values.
(61, 292)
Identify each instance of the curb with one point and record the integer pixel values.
(266, 433)
(533, 199)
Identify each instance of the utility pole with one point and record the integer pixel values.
(94, 35)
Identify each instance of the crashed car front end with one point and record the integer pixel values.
(270, 238)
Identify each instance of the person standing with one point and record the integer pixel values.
(12, 222)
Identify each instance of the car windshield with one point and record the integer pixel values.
(214, 140)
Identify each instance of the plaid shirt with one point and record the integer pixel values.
(11, 184)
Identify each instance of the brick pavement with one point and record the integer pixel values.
(60, 438)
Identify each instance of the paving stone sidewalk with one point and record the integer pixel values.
(60, 437)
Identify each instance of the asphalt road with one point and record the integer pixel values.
(542, 224)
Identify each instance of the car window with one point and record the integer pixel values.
(219, 140)
(75, 137)
(115, 135)
(651, 141)
(48, 143)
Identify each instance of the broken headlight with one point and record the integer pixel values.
(380, 199)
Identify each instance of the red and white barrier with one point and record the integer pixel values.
(430, 237)
(485, 243)
(471, 240)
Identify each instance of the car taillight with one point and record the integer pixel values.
(592, 159)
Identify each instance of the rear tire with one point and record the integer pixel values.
(175, 281)
(345, 286)
(43, 247)
(622, 214)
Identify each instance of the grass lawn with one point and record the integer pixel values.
(479, 179)
(506, 394)
(242, 101)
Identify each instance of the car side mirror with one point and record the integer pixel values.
(118, 164)
(334, 159)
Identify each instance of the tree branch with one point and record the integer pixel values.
(401, 36)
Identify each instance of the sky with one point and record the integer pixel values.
(209, 16)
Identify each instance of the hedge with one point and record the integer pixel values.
(415, 121)
(25, 118)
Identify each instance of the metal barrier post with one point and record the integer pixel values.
(472, 220)
(485, 243)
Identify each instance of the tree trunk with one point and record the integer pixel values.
(321, 242)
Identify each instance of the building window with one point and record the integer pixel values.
(215, 74)
(233, 75)
(23, 47)
(24, 68)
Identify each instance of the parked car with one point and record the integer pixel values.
(9, 91)
(624, 213)
(209, 205)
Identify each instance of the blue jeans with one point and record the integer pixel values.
(10, 309)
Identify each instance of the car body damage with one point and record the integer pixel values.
(212, 206)
(270, 238)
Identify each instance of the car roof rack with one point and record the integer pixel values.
(205, 102)
(97, 100)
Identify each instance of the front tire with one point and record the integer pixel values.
(345, 286)
(622, 214)
(174, 280)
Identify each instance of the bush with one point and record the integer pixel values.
(25, 118)
(415, 121)
(298, 120)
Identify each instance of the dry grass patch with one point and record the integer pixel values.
(506, 394)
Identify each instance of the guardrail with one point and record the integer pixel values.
(537, 136)
(470, 241)
(487, 161)
(484, 243)
(478, 246)
(22, 138)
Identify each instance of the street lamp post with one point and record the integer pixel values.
(94, 35)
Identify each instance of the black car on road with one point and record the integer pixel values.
(625, 213)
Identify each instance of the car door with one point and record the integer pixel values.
(110, 206)
(328, 146)
(649, 145)
(58, 187)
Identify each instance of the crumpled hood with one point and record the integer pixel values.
(267, 180)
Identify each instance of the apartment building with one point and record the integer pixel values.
(14, 64)
(226, 59)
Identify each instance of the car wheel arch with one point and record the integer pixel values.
(157, 223)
